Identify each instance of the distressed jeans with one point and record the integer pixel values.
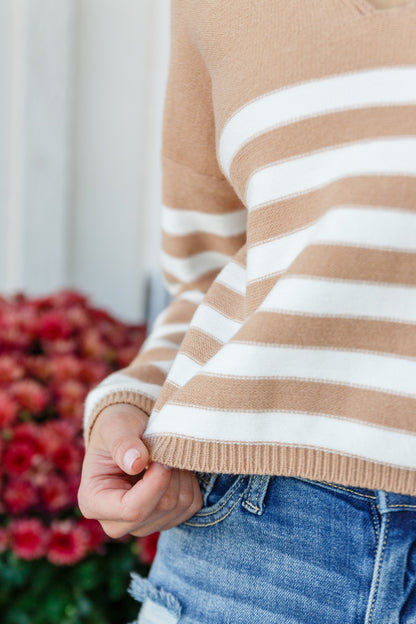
(285, 550)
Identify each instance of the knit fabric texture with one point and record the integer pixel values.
(288, 244)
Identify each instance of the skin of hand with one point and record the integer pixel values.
(125, 491)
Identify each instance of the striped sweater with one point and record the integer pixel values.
(288, 245)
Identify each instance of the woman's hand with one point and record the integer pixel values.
(113, 489)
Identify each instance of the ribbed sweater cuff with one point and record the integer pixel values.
(145, 403)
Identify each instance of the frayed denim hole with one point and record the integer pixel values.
(141, 589)
(153, 613)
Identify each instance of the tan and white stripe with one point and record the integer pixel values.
(307, 172)
(356, 439)
(354, 226)
(380, 86)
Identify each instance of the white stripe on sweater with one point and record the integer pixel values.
(169, 328)
(182, 222)
(277, 255)
(149, 344)
(233, 276)
(389, 230)
(214, 324)
(183, 369)
(353, 368)
(382, 86)
(192, 267)
(314, 170)
(384, 445)
(377, 228)
(326, 297)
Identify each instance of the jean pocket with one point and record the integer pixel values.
(221, 493)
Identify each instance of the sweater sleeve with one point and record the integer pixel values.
(202, 219)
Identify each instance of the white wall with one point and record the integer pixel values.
(81, 96)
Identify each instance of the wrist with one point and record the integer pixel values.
(111, 417)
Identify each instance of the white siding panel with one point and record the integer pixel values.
(37, 135)
(114, 160)
(81, 97)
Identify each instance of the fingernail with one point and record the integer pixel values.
(130, 457)
(166, 467)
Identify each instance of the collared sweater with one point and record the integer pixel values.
(288, 246)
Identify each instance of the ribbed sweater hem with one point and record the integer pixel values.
(310, 463)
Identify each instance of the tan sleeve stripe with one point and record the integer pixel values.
(187, 189)
(145, 372)
(199, 345)
(356, 263)
(166, 392)
(257, 291)
(179, 311)
(159, 353)
(337, 332)
(226, 301)
(197, 242)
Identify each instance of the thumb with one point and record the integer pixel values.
(130, 453)
(119, 428)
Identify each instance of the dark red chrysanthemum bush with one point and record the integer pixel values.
(53, 350)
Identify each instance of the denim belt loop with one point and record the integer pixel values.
(256, 491)
(392, 501)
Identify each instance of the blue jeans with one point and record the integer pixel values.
(285, 550)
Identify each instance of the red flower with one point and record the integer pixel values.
(29, 538)
(39, 366)
(60, 346)
(147, 547)
(10, 369)
(53, 350)
(68, 543)
(68, 408)
(67, 457)
(55, 493)
(30, 394)
(96, 535)
(54, 432)
(93, 345)
(61, 299)
(19, 495)
(30, 433)
(94, 372)
(72, 389)
(54, 325)
(11, 334)
(66, 367)
(8, 410)
(18, 457)
(4, 539)
(78, 317)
